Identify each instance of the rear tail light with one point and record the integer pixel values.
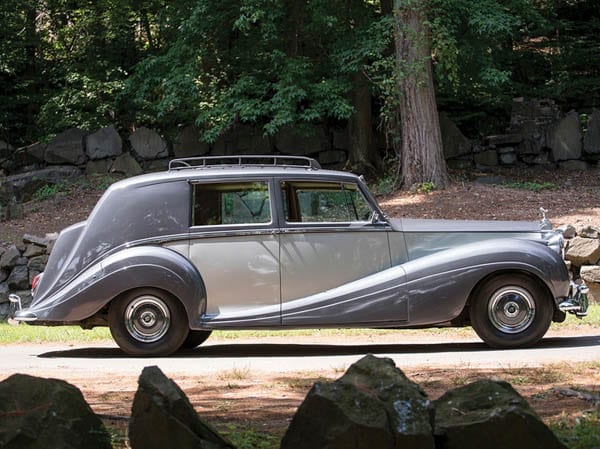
(35, 281)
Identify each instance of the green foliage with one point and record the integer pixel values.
(49, 191)
(251, 69)
(23, 333)
(582, 432)
(83, 102)
(425, 187)
(248, 438)
(385, 185)
(532, 186)
(278, 63)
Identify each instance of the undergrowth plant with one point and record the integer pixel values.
(532, 186)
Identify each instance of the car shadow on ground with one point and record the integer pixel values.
(242, 350)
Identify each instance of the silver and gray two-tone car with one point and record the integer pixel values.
(277, 243)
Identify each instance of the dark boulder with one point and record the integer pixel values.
(66, 148)
(566, 138)
(47, 414)
(454, 142)
(10, 257)
(489, 414)
(372, 405)
(162, 417)
(310, 140)
(104, 143)
(148, 144)
(188, 144)
(591, 139)
(18, 278)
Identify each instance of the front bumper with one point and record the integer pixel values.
(577, 301)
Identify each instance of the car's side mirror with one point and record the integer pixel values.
(375, 218)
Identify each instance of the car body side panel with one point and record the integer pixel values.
(240, 272)
(426, 291)
(421, 244)
(375, 300)
(130, 268)
(440, 284)
(398, 252)
(56, 269)
(314, 261)
(123, 215)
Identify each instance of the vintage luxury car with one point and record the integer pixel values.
(277, 242)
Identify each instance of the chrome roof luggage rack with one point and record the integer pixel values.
(250, 160)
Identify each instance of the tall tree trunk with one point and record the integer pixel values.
(360, 128)
(422, 151)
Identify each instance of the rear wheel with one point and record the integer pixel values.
(511, 311)
(148, 322)
(195, 338)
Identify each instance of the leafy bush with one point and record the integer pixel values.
(425, 187)
(532, 186)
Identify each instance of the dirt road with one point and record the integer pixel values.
(279, 355)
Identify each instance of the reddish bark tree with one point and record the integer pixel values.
(422, 155)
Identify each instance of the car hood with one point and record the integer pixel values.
(424, 225)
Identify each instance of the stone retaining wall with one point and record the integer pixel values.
(19, 264)
(538, 134)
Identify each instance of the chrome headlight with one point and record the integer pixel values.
(557, 243)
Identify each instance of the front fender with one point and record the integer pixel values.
(440, 284)
(130, 268)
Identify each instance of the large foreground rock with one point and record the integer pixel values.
(373, 405)
(162, 417)
(492, 415)
(47, 414)
(582, 251)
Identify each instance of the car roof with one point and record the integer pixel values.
(225, 171)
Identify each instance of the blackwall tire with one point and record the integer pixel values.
(195, 338)
(148, 322)
(511, 311)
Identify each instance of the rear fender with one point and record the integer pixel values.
(128, 269)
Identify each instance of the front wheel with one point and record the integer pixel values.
(148, 322)
(511, 311)
(195, 338)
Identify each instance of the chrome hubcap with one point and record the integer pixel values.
(147, 318)
(511, 309)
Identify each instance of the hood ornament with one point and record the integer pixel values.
(545, 223)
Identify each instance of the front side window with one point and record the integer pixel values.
(323, 202)
(227, 203)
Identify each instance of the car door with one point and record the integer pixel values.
(327, 242)
(235, 246)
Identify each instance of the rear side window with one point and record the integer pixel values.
(231, 203)
(323, 202)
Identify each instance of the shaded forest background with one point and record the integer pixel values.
(278, 63)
